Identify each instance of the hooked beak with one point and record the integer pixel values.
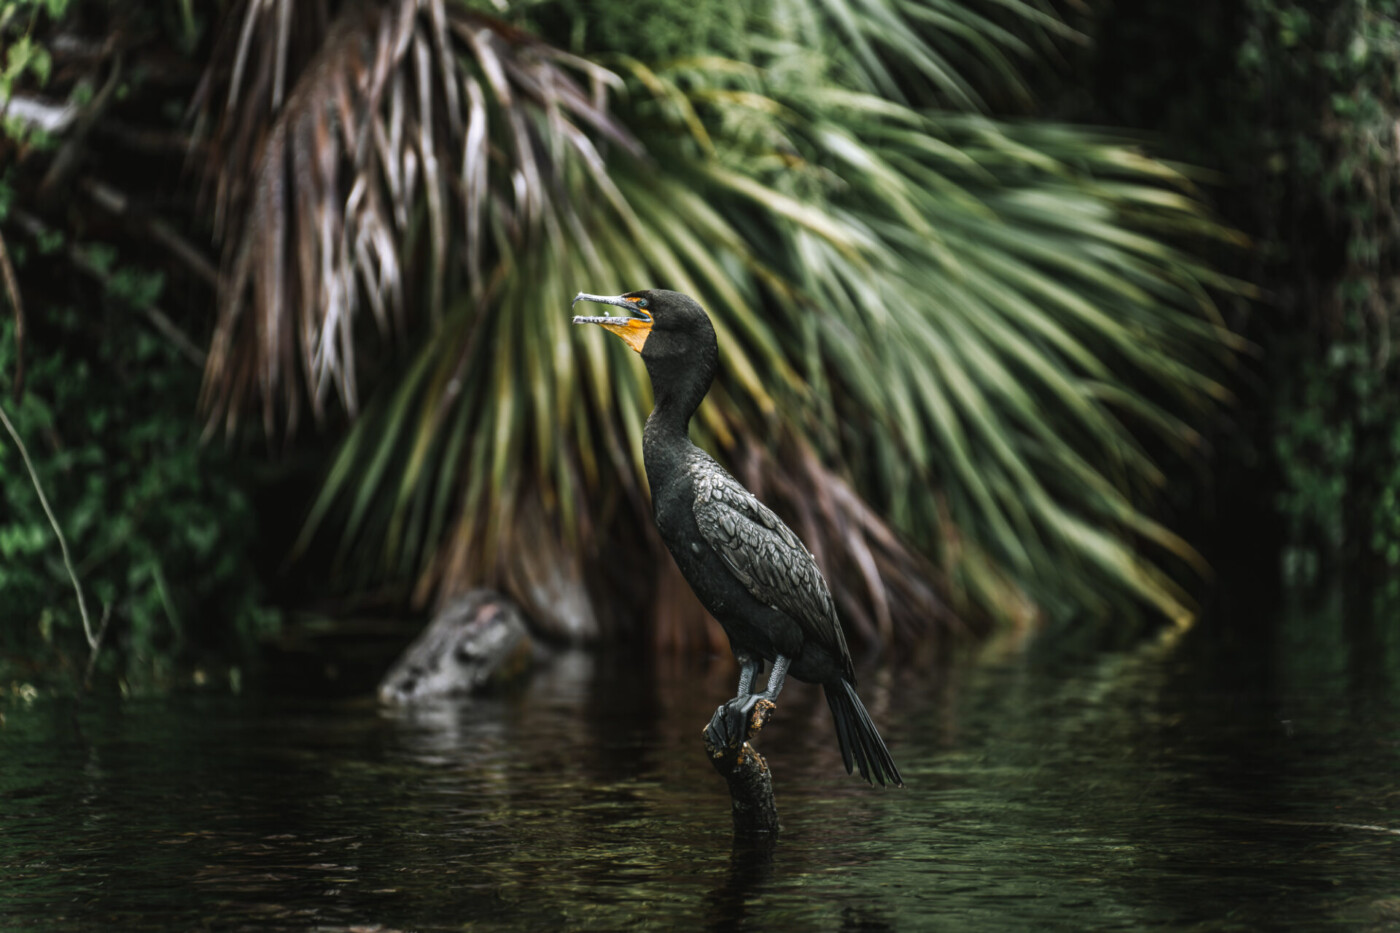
(633, 330)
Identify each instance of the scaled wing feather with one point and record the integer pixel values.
(765, 555)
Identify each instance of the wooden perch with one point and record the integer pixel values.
(744, 770)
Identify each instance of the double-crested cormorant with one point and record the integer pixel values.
(748, 568)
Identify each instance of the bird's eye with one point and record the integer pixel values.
(641, 302)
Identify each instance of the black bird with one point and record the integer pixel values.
(748, 568)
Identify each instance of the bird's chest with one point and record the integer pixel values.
(702, 567)
(675, 519)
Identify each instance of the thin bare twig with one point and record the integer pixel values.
(7, 272)
(111, 199)
(101, 632)
(93, 639)
(69, 157)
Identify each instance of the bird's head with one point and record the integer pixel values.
(661, 325)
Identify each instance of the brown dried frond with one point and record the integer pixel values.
(352, 152)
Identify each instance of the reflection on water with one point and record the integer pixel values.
(1154, 787)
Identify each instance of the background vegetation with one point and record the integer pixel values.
(972, 349)
(1294, 105)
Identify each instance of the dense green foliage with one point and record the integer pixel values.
(1293, 105)
(1336, 161)
(159, 526)
(960, 352)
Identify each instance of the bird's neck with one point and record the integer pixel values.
(666, 438)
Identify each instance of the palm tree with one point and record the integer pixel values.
(949, 341)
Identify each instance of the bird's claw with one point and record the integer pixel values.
(728, 726)
(737, 721)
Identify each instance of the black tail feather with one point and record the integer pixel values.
(861, 744)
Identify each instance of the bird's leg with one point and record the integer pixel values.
(775, 679)
(731, 724)
(748, 668)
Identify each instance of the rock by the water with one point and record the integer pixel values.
(475, 641)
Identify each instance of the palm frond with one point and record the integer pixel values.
(999, 299)
(353, 153)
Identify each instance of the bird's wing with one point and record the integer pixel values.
(767, 558)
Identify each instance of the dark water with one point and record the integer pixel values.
(1159, 787)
